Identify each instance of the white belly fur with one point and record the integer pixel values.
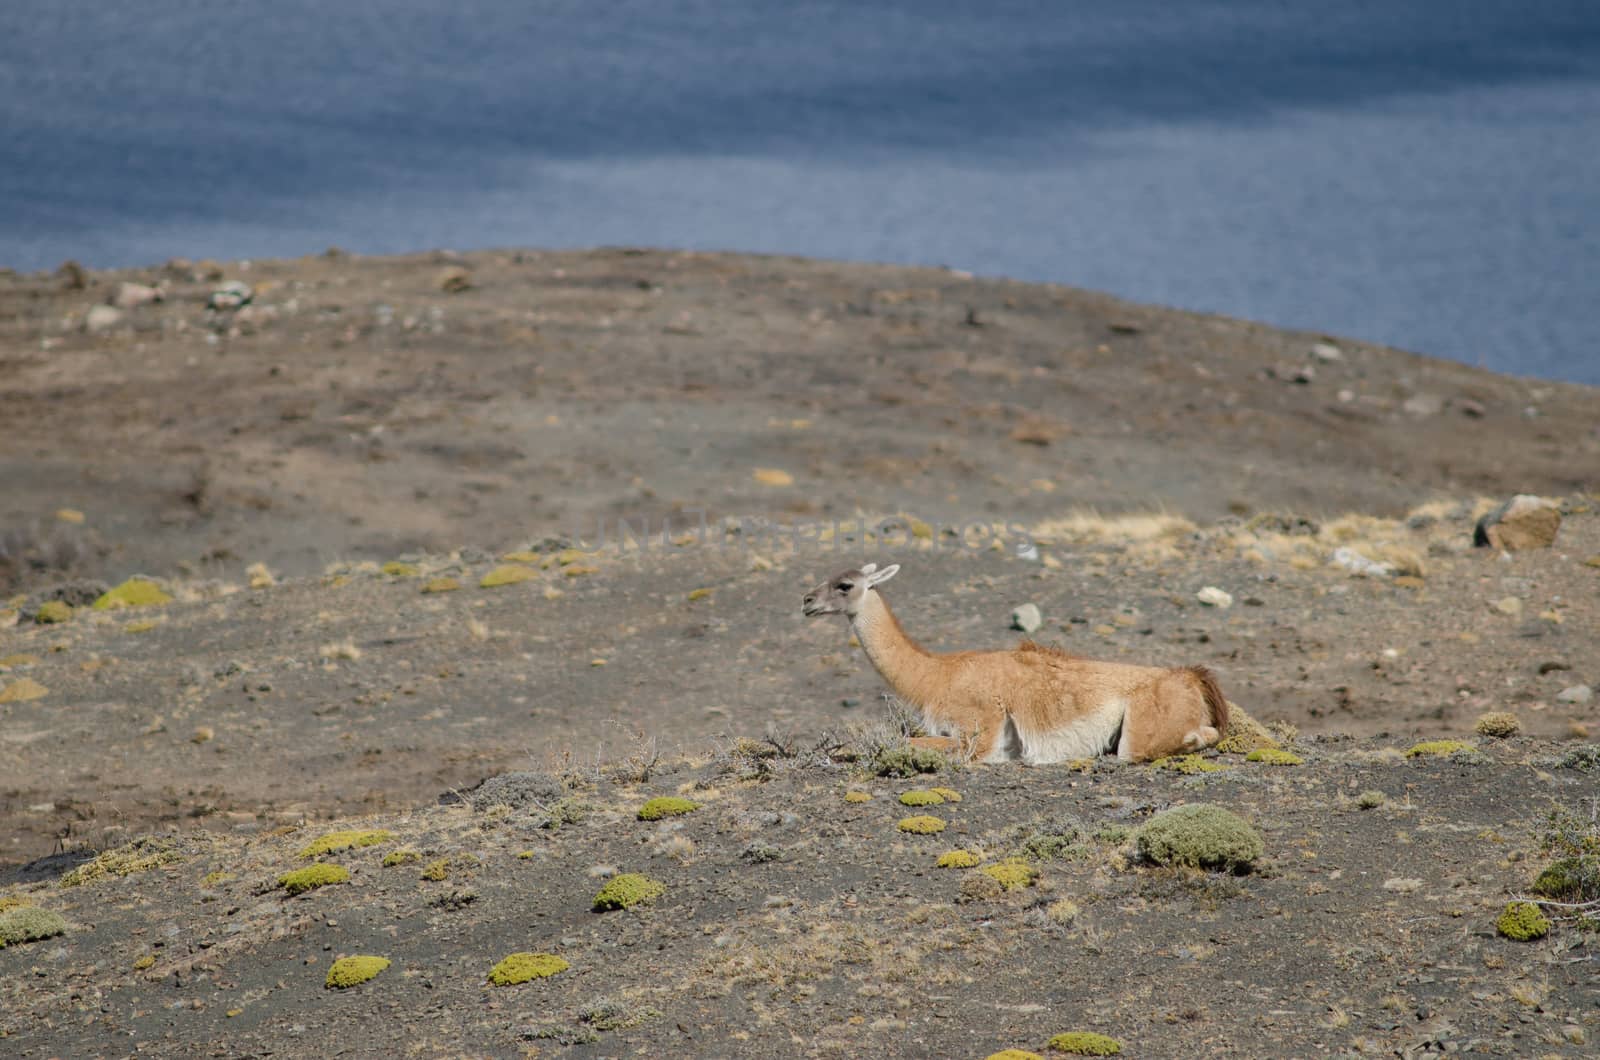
(1088, 737)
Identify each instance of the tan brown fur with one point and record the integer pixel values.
(1032, 702)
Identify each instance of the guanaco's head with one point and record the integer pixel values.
(843, 594)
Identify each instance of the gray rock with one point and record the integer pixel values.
(1326, 352)
(1026, 618)
(516, 790)
(1211, 596)
(1523, 522)
(1575, 694)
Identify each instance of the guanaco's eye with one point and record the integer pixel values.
(845, 587)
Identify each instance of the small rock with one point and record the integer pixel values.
(1424, 404)
(101, 318)
(454, 280)
(1293, 373)
(1026, 618)
(1211, 596)
(1575, 694)
(1470, 408)
(1326, 352)
(134, 295)
(230, 295)
(1523, 522)
(1508, 605)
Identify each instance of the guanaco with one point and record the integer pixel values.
(1033, 703)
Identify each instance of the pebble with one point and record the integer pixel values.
(1508, 605)
(1026, 618)
(1575, 694)
(1211, 596)
(1326, 352)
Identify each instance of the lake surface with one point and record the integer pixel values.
(1423, 174)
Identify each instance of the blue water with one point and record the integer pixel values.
(1424, 174)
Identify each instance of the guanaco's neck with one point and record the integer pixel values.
(913, 673)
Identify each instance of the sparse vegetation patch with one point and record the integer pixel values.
(333, 842)
(1189, 765)
(921, 797)
(957, 859)
(922, 824)
(141, 855)
(1498, 724)
(1274, 757)
(510, 574)
(905, 760)
(1440, 749)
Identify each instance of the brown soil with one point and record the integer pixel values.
(357, 413)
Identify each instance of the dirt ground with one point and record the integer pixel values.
(263, 464)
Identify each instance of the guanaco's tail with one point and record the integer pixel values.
(1215, 701)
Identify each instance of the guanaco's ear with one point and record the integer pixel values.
(877, 577)
(868, 568)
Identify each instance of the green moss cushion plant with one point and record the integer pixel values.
(311, 877)
(1085, 1043)
(1439, 748)
(1274, 757)
(666, 806)
(135, 592)
(1523, 922)
(627, 890)
(1202, 836)
(523, 967)
(29, 923)
(353, 971)
(1012, 874)
(923, 824)
(957, 859)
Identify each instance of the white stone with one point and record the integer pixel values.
(1026, 618)
(1211, 596)
(1575, 694)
